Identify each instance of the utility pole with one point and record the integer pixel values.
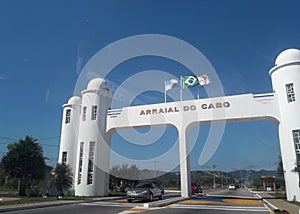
(214, 178)
(154, 172)
(222, 179)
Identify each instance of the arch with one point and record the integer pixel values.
(232, 108)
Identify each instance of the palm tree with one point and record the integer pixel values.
(62, 178)
(24, 161)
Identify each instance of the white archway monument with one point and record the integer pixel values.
(184, 114)
(92, 149)
(282, 107)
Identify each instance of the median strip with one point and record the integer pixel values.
(164, 202)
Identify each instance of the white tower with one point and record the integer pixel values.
(69, 132)
(286, 84)
(93, 152)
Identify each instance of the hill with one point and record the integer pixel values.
(251, 175)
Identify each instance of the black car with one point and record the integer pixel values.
(145, 190)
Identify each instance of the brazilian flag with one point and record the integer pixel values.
(190, 81)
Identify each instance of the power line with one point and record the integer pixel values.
(49, 145)
(8, 138)
(43, 144)
(40, 139)
(5, 143)
(48, 138)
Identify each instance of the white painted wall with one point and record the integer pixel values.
(242, 108)
(97, 93)
(287, 70)
(69, 132)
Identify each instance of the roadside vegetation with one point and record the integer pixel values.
(24, 173)
(25, 177)
(25, 163)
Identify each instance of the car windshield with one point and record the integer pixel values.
(143, 185)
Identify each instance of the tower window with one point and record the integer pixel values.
(290, 92)
(296, 136)
(84, 113)
(68, 116)
(91, 163)
(64, 158)
(80, 163)
(94, 112)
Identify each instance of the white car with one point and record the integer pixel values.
(231, 187)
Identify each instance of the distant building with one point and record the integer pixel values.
(268, 182)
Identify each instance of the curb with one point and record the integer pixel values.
(35, 206)
(271, 206)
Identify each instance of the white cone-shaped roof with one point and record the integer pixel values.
(288, 56)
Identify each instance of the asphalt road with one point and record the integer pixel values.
(224, 201)
(219, 201)
(243, 193)
(89, 208)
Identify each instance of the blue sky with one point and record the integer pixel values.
(44, 46)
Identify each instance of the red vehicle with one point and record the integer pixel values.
(196, 188)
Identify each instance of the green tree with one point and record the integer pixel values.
(280, 166)
(125, 171)
(61, 178)
(257, 184)
(24, 161)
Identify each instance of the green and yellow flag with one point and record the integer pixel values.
(190, 81)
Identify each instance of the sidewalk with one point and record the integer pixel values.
(279, 203)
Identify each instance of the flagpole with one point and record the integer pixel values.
(165, 92)
(198, 93)
(181, 85)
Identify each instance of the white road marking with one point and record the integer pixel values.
(138, 210)
(138, 207)
(112, 204)
(267, 207)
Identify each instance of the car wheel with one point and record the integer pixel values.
(161, 197)
(129, 200)
(150, 197)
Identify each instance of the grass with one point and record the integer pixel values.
(295, 202)
(279, 194)
(7, 188)
(25, 200)
(29, 200)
